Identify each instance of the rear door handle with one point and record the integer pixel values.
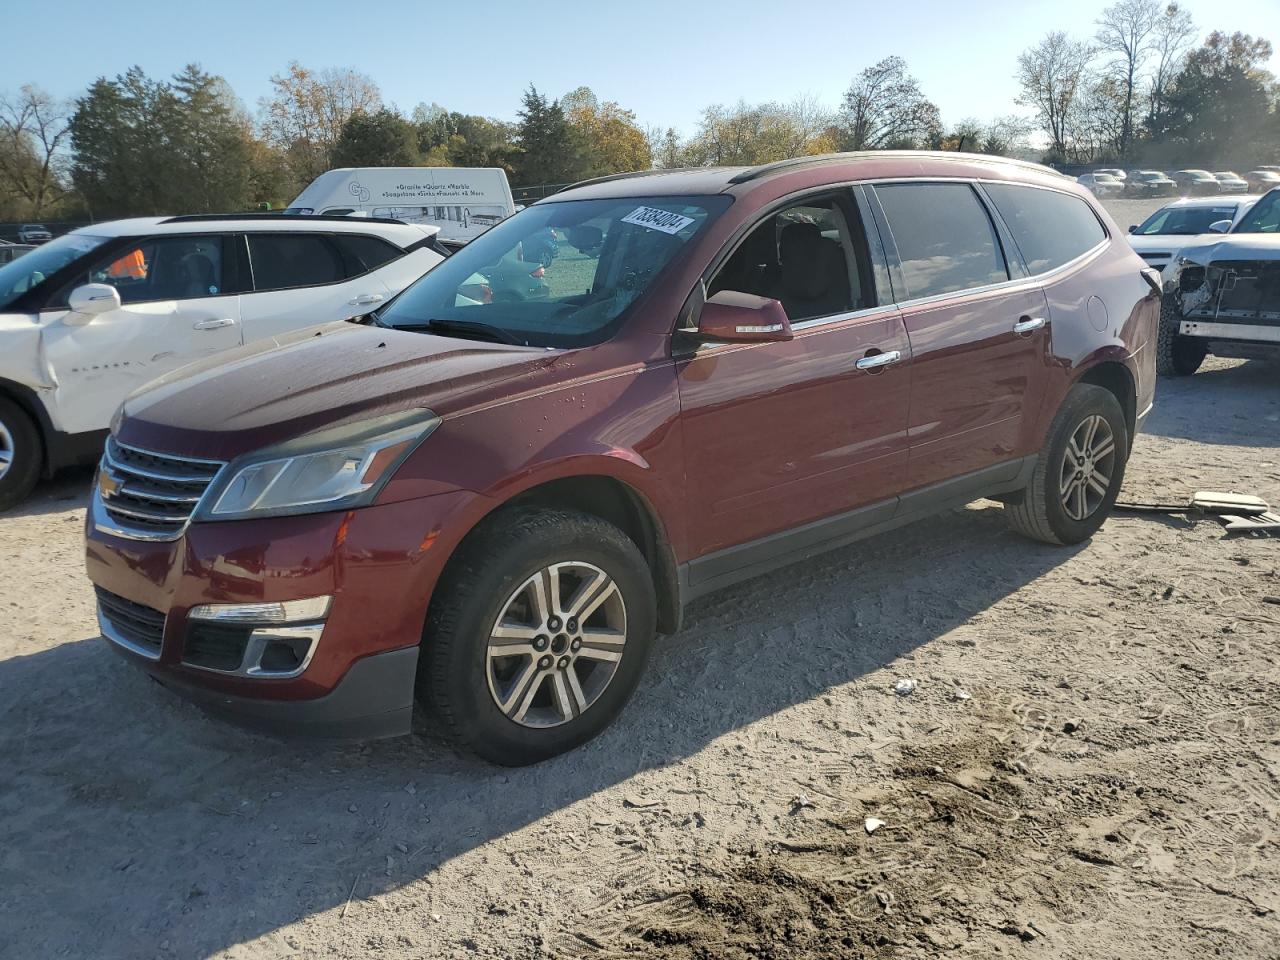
(365, 299)
(213, 323)
(1028, 325)
(877, 360)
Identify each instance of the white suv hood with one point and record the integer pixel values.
(1234, 246)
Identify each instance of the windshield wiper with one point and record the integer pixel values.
(471, 328)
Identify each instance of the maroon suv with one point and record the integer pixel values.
(493, 491)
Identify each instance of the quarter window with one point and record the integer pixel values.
(285, 260)
(1050, 228)
(945, 238)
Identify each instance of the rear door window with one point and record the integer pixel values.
(1050, 228)
(282, 261)
(945, 238)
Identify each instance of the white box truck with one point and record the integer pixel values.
(463, 202)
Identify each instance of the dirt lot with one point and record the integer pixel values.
(1088, 768)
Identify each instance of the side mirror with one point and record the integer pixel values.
(1220, 226)
(1133, 228)
(91, 299)
(734, 317)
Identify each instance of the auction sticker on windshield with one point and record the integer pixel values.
(656, 219)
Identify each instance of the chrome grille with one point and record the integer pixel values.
(150, 495)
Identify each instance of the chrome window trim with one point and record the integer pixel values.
(112, 634)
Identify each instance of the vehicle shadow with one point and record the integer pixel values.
(70, 488)
(130, 819)
(1227, 403)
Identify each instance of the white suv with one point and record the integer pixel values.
(88, 318)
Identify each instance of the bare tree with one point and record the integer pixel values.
(1125, 30)
(1049, 74)
(33, 126)
(1172, 37)
(884, 107)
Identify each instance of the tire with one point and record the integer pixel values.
(1041, 513)
(1176, 355)
(21, 454)
(511, 709)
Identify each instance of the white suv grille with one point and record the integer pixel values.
(151, 496)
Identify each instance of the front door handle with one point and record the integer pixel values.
(213, 323)
(365, 299)
(1028, 325)
(876, 360)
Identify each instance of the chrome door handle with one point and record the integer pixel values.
(877, 360)
(1027, 325)
(365, 299)
(213, 323)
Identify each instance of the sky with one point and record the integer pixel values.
(664, 60)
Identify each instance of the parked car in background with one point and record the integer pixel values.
(497, 503)
(1222, 294)
(1115, 172)
(1101, 184)
(1260, 181)
(34, 233)
(88, 318)
(1196, 183)
(1158, 238)
(12, 251)
(463, 202)
(1229, 182)
(1149, 183)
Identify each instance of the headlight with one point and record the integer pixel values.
(330, 470)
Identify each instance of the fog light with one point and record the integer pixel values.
(289, 611)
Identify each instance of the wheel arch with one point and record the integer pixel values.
(1114, 375)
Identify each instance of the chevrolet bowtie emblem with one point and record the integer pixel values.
(108, 485)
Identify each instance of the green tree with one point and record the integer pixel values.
(33, 129)
(551, 150)
(613, 142)
(304, 117)
(381, 139)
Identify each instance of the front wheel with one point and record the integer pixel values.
(21, 454)
(538, 635)
(1079, 470)
(1176, 355)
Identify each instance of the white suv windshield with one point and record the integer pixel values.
(556, 274)
(29, 271)
(1263, 218)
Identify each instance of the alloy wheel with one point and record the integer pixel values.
(6, 450)
(556, 644)
(1087, 467)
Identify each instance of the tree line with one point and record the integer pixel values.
(1139, 89)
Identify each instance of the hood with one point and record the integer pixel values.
(1216, 247)
(274, 390)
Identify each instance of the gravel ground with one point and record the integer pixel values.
(1089, 766)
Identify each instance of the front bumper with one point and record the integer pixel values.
(379, 564)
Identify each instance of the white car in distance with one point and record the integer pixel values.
(88, 318)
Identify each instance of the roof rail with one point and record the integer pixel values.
(766, 168)
(631, 175)
(214, 217)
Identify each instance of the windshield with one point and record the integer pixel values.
(28, 272)
(556, 274)
(1184, 221)
(1263, 218)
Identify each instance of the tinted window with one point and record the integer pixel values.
(365, 253)
(802, 256)
(1050, 228)
(32, 270)
(945, 239)
(162, 268)
(284, 260)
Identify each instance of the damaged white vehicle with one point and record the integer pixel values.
(1222, 294)
(88, 318)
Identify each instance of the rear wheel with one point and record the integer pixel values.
(1176, 355)
(1079, 471)
(538, 636)
(21, 454)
